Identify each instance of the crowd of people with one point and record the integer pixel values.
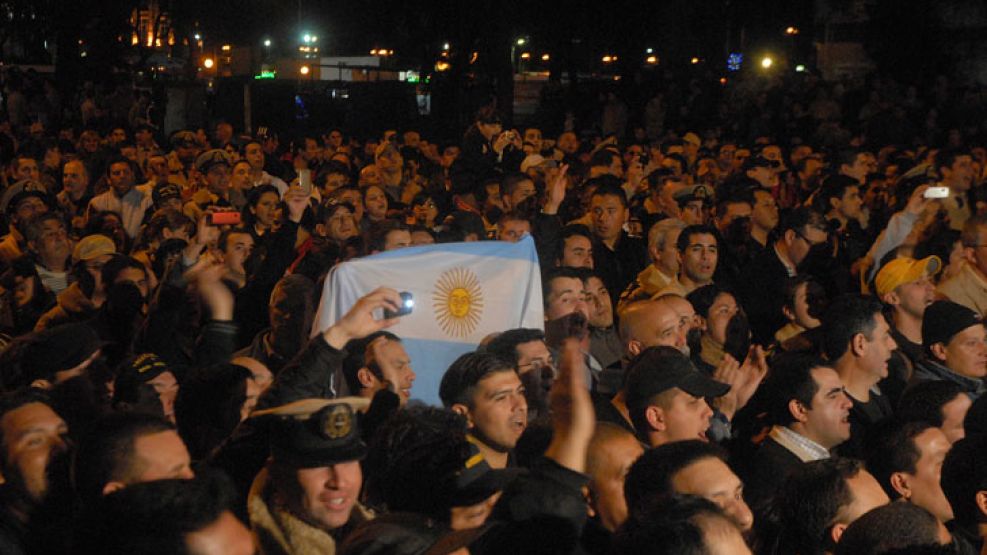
(763, 337)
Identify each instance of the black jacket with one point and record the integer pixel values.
(760, 286)
(767, 471)
(620, 266)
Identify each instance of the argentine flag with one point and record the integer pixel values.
(462, 291)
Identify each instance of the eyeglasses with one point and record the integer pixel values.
(809, 241)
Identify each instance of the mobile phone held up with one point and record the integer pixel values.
(223, 218)
(936, 192)
(407, 305)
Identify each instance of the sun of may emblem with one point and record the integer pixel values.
(458, 301)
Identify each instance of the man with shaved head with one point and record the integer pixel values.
(611, 453)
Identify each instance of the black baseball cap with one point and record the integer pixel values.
(477, 481)
(658, 369)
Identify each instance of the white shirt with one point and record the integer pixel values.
(131, 207)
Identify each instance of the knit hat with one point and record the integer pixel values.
(944, 319)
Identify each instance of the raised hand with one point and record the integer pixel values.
(573, 418)
(359, 321)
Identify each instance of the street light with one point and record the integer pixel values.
(307, 38)
(545, 57)
(652, 60)
(208, 63)
(521, 41)
(445, 46)
(526, 55)
(267, 43)
(304, 70)
(694, 60)
(767, 62)
(792, 31)
(800, 68)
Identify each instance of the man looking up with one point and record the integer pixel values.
(905, 284)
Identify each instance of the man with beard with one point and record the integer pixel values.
(488, 392)
(290, 317)
(20, 203)
(857, 342)
(905, 284)
(35, 495)
(796, 237)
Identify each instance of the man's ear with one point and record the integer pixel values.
(789, 314)
(463, 410)
(899, 482)
(366, 377)
(938, 350)
(858, 344)
(798, 410)
(836, 532)
(634, 347)
(788, 237)
(981, 500)
(702, 322)
(320, 229)
(655, 417)
(834, 203)
(891, 298)
(111, 487)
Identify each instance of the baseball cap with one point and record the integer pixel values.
(183, 139)
(686, 195)
(93, 246)
(313, 433)
(21, 190)
(477, 481)
(210, 158)
(944, 319)
(659, 369)
(691, 138)
(905, 270)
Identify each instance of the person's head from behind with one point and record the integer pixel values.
(906, 459)
(290, 312)
(807, 397)
(123, 449)
(33, 447)
(167, 517)
(210, 404)
(940, 403)
(666, 396)
(894, 528)
(687, 467)
(488, 392)
(612, 451)
(681, 525)
(820, 499)
(422, 462)
(803, 298)
(856, 333)
(964, 480)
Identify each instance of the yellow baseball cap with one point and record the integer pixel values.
(905, 270)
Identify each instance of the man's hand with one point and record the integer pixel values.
(501, 142)
(207, 274)
(205, 235)
(297, 200)
(573, 418)
(752, 373)
(917, 203)
(359, 321)
(555, 193)
(727, 372)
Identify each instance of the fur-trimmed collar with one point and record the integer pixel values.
(280, 532)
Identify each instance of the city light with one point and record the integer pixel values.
(197, 36)
(267, 43)
(653, 60)
(695, 61)
(442, 65)
(521, 42)
(767, 62)
(609, 59)
(526, 55)
(304, 70)
(649, 50)
(307, 38)
(800, 68)
(445, 46)
(545, 57)
(373, 52)
(792, 31)
(723, 80)
(225, 48)
(208, 63)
